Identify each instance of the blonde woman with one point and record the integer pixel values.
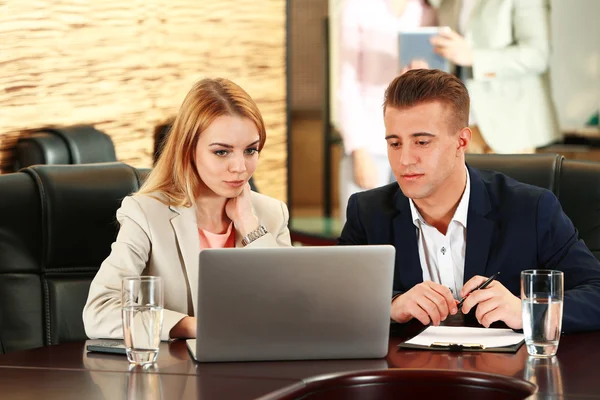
(196, 197)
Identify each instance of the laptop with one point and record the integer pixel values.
(298, 303)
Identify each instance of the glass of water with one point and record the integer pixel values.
(542, 302)
(142, 312)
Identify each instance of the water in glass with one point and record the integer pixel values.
(141, 332)
(542, 322)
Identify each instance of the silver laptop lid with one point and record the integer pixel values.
(294, 303)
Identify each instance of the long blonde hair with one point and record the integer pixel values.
(175, 176)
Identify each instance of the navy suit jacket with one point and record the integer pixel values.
(511, 227)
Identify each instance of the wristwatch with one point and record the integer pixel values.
(255, 234)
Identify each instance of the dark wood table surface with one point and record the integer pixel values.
(67, 371)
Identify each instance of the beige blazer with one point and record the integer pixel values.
(160, 240)
(510, 87)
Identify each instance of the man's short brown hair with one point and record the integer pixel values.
(425, 85)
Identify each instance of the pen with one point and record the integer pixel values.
(482, 286)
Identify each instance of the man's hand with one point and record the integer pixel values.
(365, 170)
(494, 303)
(453, 47)
(427, 302)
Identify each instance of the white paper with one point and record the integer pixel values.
(488, 337)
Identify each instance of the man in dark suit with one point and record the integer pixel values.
(453, 226)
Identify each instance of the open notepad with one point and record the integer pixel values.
(454, 338)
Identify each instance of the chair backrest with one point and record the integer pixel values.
(540, 170)
(78, 144)
(575, 183)
(56, 227)
(579, 195)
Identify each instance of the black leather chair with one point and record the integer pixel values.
(540, 170)
(78, 144)
(56, 227)
(575, 183)
(579, 195)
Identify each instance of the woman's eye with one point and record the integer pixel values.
(251, 151)
(221, 153)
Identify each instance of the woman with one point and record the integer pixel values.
(196, 197)
(368, 62)
(502, 49)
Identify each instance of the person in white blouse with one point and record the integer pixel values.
(502, 51)
(196, 197)
(368, 61)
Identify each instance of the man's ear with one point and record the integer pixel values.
(464, 138)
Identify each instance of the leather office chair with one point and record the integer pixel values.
(1, 344)
(78, 144)
(540, 170)
(579, 195)
(56, 227)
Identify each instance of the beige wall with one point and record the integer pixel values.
(126, 65)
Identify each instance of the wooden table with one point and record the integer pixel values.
(67, 371)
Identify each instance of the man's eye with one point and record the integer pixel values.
(394, 144)
(423, 142)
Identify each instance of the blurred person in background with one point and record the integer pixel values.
(368, 62)
(501, 50)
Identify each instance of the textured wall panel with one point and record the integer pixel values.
(126, 65)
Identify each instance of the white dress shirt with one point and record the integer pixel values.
(443, 256)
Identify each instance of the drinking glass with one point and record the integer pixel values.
(542, 306)
(142, 312)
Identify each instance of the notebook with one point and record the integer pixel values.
(415, 44)
(454, 338)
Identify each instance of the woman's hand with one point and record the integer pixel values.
(415, 64)
(453, 47)
(239, 210)
(184, 329)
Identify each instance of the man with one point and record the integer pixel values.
(452, 224)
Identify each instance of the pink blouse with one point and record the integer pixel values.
(209, 240)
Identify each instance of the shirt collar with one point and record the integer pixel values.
(460, 215)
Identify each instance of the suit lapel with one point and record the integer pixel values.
(186, 233)
(408, 271)
(480, 228)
